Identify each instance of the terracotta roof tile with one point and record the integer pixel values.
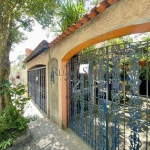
(78, 24)
(111, 2)
(93, 13)
(67, 32)
(60, 37)
(85, 19)
(102, 6)
(64, 35)
(72, 28)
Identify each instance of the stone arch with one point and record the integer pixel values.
(139, 28)
(135, 19)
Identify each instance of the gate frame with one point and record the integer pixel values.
(140, 28)
(42, 67)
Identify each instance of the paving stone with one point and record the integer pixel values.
(47, 135)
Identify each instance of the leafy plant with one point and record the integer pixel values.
(144, 72)
(70, 13)
(6, 143)
(16, 93)
(143, 58)
(12, 121)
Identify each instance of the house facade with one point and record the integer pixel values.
(49, 64)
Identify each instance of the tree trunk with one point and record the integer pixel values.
(5, 46)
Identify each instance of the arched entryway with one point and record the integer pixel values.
(85, 116)
(138, 28)
(101, 109)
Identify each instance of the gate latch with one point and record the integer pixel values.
(105, 106)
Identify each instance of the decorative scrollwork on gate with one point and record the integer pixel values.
(90, 103)
(115, 108)
(105, 107)
(82, 107)
(75, 97)
(135, 104)
(101, 99)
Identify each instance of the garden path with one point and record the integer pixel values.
(47, 135)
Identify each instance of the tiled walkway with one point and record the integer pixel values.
(46, 135)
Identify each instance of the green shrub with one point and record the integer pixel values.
(12, 121)
(6, 143)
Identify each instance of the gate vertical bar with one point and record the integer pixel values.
(69, 82)
(115, 96)
(105, 104)
(75, 97)
(90, 104)
(147, 71)
(101, 99)
(135, 99)
(82, 119)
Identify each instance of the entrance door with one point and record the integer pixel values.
(106, 107)
(37, 86)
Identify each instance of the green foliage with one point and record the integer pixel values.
(22, 14)
(88, 49)
(16, 93)
(145, 72)
(118, 40)
(43, 12)
(6, 143)
(146, 37)
(18, 36)
(70, 13)
(12, 122)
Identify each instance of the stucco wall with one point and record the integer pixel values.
(122, 18)
(41, 59)
(53, 94)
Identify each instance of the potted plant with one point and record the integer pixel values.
(142, 61)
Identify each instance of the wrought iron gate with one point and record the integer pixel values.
(108, 102)
(37, 86)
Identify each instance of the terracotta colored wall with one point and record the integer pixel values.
(123, 18)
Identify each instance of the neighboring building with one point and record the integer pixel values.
(22, 70)
(81, 101)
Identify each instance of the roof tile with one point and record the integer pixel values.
(64, 35)
(72, 28)
(85, 19)
(92, 14)
(78, 24)
(102, 6)
(68, 32)
(111, 2)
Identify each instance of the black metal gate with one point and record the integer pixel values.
(37, 86)
(108, 96)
